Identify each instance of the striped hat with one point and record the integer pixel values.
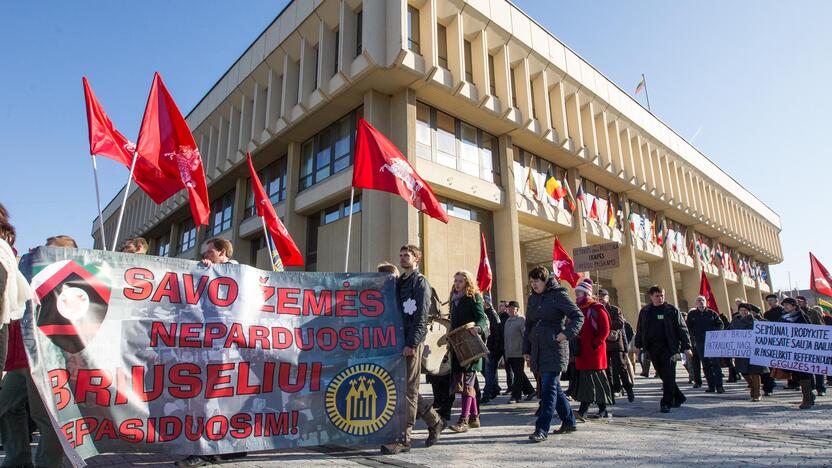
(585, 285)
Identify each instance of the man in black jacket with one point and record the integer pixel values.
(414, 295)
(663, 333)
(775, 310)
(700, 321)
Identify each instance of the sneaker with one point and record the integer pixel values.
(512, 400)
(602, 415)
(196, 460)
(563, 429)
(507, 392)
(538, 437)
(766, 393)
(755, 399)
(822, 393)
(395, 449)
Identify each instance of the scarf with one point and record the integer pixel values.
(17, 290)
(591, 315)
(456, 296)
(791, 316)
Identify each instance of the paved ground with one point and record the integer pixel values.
(710, 430)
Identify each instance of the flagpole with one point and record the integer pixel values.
(98, 202)
(124, 200)
(266, 238)
(349, 232)
(646, 94)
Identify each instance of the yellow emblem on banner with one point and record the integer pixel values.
(360, 400)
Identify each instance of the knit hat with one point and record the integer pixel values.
(513, 304)
(585, 285)
(789, 300)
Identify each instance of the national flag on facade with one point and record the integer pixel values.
(610, 215)
(563, 268)
(106, 141)
(593, 210)
(484, 275)
(287, 250)
(379, 165)
(531, 183)
(166, 142)
(705, 290)
(819, 279)
(570, 200)
(660, 233)
(640, 86)
(553, 186)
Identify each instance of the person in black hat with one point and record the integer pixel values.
(513, 349)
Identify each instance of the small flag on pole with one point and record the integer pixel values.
(277, 262)
(641, 85)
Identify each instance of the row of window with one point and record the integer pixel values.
(326, 216)
(273, 178)
(414, 43)
(453, 143)
(330, 151)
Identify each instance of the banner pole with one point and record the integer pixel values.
(266, 238)
(124, 200)
(349, 232)
(98, 202)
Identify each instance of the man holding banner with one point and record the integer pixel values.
(793, 314)
(700, 321)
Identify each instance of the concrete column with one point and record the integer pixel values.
(691, 279)
(736, 290)
(625, 277)
(294, 222)
(720, 290)
(509, 267)
(661, 273)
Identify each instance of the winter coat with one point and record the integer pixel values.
(513, 334)
(414, 301)
(549, 314)
(593, 340)
(773, 314)
(815, 317)
(743, 365)
(495, 332)
(700, 322)
(676, 331)
(468, 309)
(616, 324)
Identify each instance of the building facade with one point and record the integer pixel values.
(483, 101)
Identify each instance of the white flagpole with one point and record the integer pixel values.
(268, 244)
(98, 202)
(349, 232)
(124, 201)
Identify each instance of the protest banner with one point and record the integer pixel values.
(793, 346)
(135, 353)
(729, 343)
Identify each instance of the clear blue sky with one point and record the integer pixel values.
(748, 78)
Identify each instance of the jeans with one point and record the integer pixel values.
(553, 400)
(666, 368)
(492, 386)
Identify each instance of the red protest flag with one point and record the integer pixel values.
(106, 141)
(286, 247)
(379, 165)
(166, 142)
(819, 280)
(705, 290)
(484, 275)
(562, 265)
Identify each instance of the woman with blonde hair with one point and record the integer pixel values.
(466, 306)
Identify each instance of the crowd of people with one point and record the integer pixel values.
(586, 341)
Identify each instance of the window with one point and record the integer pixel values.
(492, 86)
(315, 72)
(359, 26)
(256, 244)
(163, 249)
(462, 211)
(273, 178)
(513, 90)
(339, 211)
(337, 52)
(531, 90)
(312, 224)
(223, 209)
(187, 236)
(413, 30)
(328, 152)
(451, 142)
(442, 45)
(469, 63)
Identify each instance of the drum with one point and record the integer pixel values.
(467, 347)
(435, 359)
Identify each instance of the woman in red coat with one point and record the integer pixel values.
(592, 385)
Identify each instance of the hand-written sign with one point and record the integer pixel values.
(729, 343)
(793, 346)
(596, 257)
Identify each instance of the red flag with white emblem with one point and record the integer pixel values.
(379, 165)
(166, 142)
(286, 247)
(820, 280)
(562, 265)
(484, 275)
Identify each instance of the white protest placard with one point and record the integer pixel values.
(729, 343)
(793, 346)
